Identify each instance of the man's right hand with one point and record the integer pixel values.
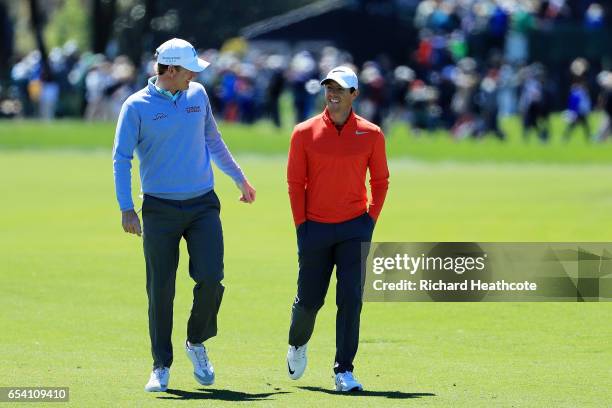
(131, 222)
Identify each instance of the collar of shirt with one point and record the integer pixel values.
(327, 118)
(164, 92)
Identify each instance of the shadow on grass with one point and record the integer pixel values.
(386, 394)
(221, 395)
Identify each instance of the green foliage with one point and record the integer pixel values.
(69, 22)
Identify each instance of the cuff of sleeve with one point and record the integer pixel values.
(240, 179)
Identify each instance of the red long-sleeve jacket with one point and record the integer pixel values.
(326, 170)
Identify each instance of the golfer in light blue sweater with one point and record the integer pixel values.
(170, 126)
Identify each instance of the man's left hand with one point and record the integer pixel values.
(248, 192)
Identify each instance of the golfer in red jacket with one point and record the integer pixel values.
(326, 173)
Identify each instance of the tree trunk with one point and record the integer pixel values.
(7, 40)
(37, 27)
(102, 19)
(147, 32)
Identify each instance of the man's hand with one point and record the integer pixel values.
(131, 222)
(248, 192)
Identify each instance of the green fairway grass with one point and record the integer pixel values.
(264, 138)
(73, 304)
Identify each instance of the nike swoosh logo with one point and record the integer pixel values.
(289, 368)
(358, 133)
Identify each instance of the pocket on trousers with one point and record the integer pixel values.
(370, 219)
(216, 199)
(144, 208)
(301, 235)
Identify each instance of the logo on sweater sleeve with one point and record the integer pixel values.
(193, 109)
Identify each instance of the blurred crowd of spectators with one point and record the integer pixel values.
(468, 96)
(440, 87)
(83, 85)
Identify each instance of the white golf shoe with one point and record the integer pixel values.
(203, 371)
(296, 361)
(158, 381)
(345, 382)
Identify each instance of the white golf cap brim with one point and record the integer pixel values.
(197, 65)
(180, 53)
(337, 79)
(343, 76)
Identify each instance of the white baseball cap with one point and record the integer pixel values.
(180, 52)
(344, 76)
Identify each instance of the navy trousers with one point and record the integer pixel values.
(322, 246)
(165, 222)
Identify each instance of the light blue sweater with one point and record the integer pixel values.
(174, 142)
